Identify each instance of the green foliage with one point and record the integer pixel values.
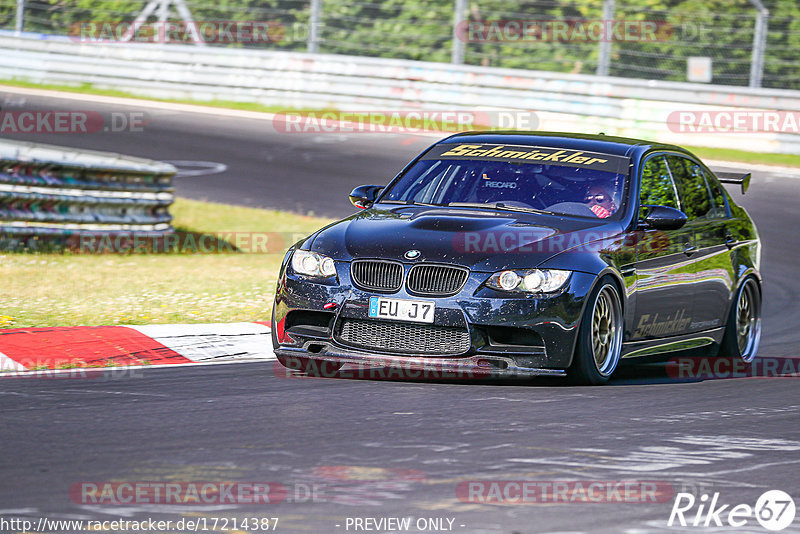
(657, 187)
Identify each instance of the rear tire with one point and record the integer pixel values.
(599, 344)
(743, 331)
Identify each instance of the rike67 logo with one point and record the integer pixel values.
(774, 510)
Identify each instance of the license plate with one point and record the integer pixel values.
(401, 310)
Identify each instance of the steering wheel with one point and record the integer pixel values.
(573, 208)
(542, 203)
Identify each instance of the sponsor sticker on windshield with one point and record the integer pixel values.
(531, 154)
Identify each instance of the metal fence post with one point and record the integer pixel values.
(20, 24)
(459, 17)
(604, 47)
(161, 9)
(759, 44)
(314, 18)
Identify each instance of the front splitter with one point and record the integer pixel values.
(444, 366)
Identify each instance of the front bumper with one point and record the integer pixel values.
(456, 368)
(508, 336)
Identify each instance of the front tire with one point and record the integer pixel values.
(599, 345)
(743, 331)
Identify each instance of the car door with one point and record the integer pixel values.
(664, 268)
(705, 205)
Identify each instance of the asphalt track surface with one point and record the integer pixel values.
(380, 448)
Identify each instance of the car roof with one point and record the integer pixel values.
(606, 144)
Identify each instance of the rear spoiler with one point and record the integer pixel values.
(735, 178)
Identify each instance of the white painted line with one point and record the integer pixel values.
(216, 341)
(197, 168)
(223, 329)
(143, 102)
(7, 364)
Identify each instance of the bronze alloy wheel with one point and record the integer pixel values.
(606, 330)
(748, 321)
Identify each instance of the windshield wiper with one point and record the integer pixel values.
(497, 206)
(409, 203)
(427, 204)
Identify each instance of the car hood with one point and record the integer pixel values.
(481, 239)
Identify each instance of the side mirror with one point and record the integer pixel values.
(663, 218)
(364, 196)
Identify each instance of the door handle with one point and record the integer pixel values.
(731, 241)
(689, 250)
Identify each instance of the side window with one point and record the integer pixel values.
(657, 187)
(717, 196)
(692, 187)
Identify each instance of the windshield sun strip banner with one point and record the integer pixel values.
(530, 154)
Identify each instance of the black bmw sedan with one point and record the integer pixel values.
(527, 254)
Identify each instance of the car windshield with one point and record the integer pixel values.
(569, 183)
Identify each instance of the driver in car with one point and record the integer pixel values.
(600, 201)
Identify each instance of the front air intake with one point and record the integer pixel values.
(403, 338)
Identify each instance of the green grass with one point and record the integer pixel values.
(729, 154)
(65, 289)
(789, 160)
(212, 217)
(91, 89)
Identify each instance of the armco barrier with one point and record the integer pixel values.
(563, 102)
(52, 192)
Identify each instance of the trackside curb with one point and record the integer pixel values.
(53, 348)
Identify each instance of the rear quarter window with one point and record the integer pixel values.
(692, 187)
(657, 188)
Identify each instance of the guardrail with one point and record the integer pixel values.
(563, 102)
(49, 194)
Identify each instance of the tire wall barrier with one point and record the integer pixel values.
(50, 194)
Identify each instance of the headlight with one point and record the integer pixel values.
(313, 264)
(529, 280)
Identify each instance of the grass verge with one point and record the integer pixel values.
(66, 289)
(788, 160)
(729, 154)
(90, 89)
